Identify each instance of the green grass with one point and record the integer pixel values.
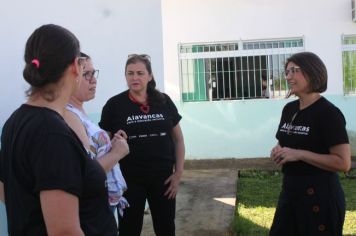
(257, 194)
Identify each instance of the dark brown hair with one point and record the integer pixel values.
(54, 48)
(313, 69)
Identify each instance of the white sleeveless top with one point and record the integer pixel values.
(100, 144)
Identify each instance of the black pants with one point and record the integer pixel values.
(150, 186)
(310, 206)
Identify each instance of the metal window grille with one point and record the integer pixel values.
(349, 64)
(235, 70)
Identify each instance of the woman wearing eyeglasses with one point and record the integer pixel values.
(312, 147)
(95, 140)
(51, 186)
(154, 166)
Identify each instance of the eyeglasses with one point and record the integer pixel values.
(143, 56)
(292, 70)
(88, 75)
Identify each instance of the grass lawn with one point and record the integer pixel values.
(257, 194)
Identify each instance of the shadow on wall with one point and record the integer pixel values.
(352, 139)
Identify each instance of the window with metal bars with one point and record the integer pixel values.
(349, 63)
(235, 70)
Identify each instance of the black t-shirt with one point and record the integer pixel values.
(40, 152)
(149, 135)
(315, 128)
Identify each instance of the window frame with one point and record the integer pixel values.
(269, 49)
(348, 43)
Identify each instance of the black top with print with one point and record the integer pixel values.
(315, 128)
(149, 135)
(40, 152)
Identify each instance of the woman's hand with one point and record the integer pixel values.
(283, 155)
(119, 148)
(173, 182)
(274, 153)
(121, 133)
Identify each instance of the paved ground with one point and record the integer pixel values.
(205, 203)
(206, 198)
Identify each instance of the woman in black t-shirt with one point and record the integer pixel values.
(51, 186)
(151, 122)
(312, 147)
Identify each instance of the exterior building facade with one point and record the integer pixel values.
(224, 63)
(221, 62)
(108, 31)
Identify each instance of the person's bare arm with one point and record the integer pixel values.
(119, 150)
(179, 148)
(2, 195)
(119, 145)
(61, 213)
(174, 179)
(77, 126)
(339, 158)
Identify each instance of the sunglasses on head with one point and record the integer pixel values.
(143, 56)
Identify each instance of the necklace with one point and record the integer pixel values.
(291, 122)
(145, 108)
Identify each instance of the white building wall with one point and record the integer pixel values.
(320, 22)
(108, 30)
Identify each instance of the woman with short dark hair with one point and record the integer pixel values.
(312, 147)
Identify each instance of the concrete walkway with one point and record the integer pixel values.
(205, 203)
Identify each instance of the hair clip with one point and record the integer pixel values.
(36, 62)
